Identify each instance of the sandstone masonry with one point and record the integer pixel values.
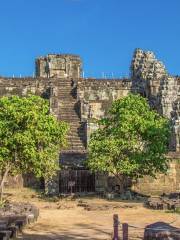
(80, 101)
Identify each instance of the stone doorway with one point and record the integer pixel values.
(76, 181)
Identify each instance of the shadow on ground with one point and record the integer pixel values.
(79, 232)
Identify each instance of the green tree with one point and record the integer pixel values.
(30, 137)
(131, 142)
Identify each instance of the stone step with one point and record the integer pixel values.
(66, 99)
(64, 93)
(69, 115)
(69, 103)
(69, 118)
(75, 123)
(73, 133)
(77, 130)
(76, 127)
(76, 141)
(69, 121)
(73, 146)
(65, 83)
(65, 88)
(76, 133)
(67, 108)
(66, 96)
(69, 151)
(68, 111)
(76, 137)
(76, 147)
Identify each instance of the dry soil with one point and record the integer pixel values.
(63, 219)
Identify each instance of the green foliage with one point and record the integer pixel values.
(30, 137)
(176, 210)
(131, 141)
(2, 203)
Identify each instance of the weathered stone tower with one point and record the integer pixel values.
(59, 66)
(151, 79)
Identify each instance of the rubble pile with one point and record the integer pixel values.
(169, 202)
(14, 216)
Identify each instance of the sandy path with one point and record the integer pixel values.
(78, 223)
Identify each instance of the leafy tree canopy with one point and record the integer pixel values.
(30, 137)
(132, 141)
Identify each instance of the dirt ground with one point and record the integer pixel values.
(63, 219)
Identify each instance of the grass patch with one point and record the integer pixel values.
(177, 210)
(2, 203)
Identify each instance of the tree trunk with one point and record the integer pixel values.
(121, 181)
(4, 176)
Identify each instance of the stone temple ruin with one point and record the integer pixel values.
(79, 101)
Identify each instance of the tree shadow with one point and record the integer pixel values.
(78, 232)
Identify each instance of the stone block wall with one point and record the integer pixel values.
(97, 95)
(164, 183)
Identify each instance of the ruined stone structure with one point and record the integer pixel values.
(151, 79)
(59, 66)
(80, 101)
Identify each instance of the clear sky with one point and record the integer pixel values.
(104, 32)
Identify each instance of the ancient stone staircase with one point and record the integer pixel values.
(68, 112)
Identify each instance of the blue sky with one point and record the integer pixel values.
(104, 32)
